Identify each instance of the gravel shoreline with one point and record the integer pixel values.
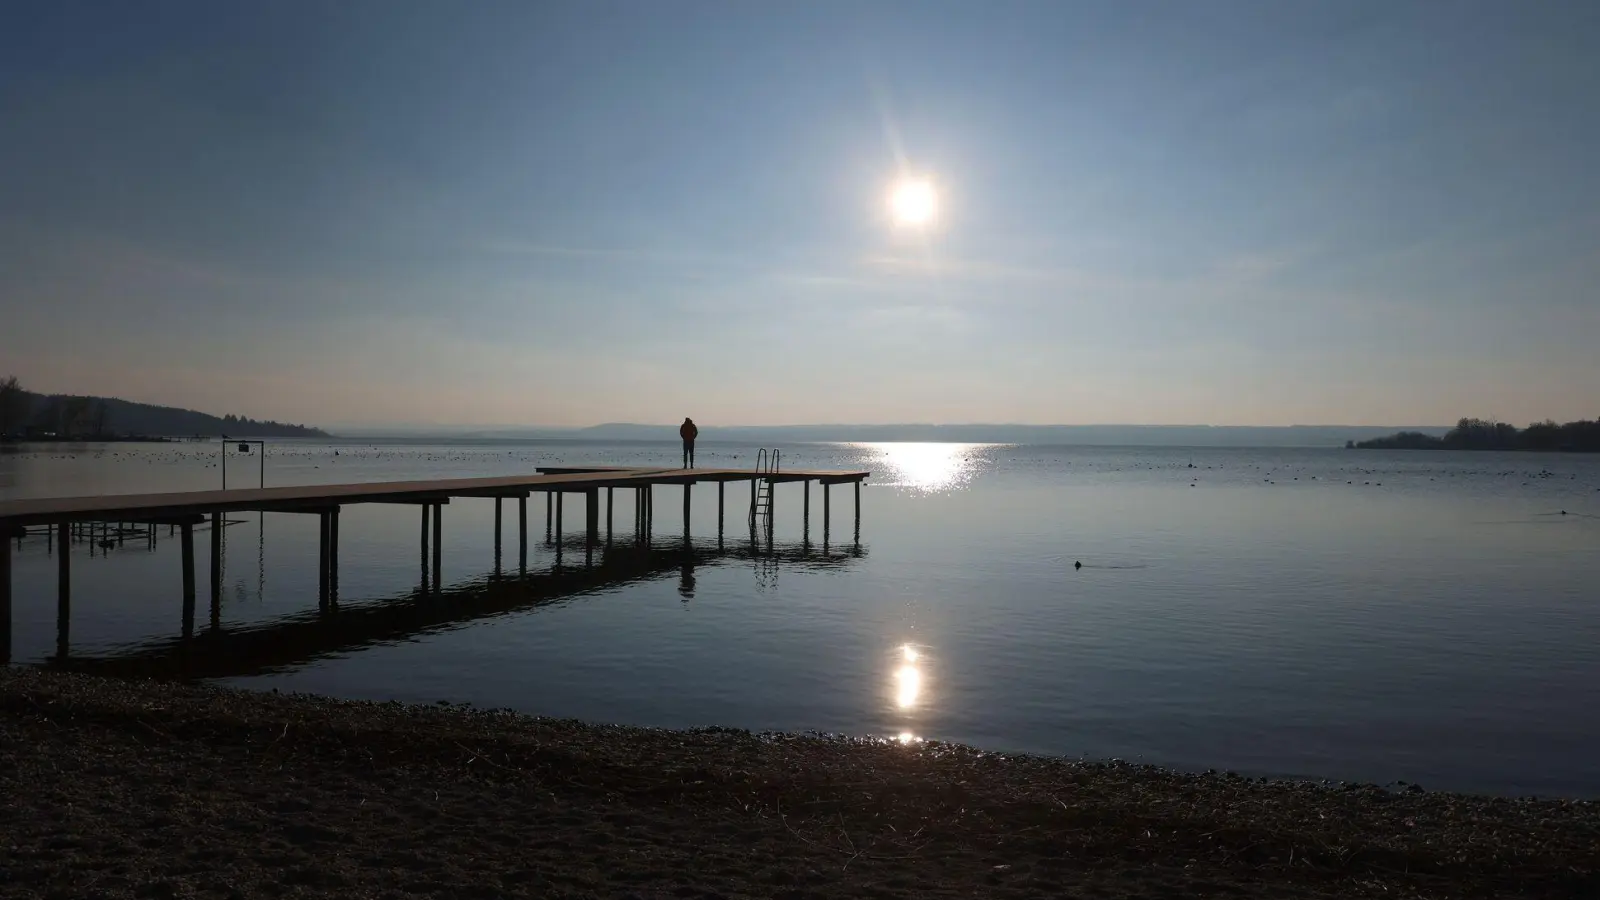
(112, 788)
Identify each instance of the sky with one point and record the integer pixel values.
(561, 214)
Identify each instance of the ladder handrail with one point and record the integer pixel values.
(768, 462)
(767, 465)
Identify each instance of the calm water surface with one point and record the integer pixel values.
(1431, 617)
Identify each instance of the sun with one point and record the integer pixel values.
(913, 202)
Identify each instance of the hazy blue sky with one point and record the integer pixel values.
(522, 213)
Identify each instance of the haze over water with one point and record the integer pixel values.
(1314, 613)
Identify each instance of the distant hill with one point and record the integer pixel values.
(40, 415)
(1083, 435)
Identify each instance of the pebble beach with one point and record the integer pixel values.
(113, 788)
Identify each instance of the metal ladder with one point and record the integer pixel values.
(767, 464)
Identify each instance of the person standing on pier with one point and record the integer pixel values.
(688, 432)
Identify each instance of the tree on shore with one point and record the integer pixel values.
(100, 417)
(1486, 434)
(13, 405)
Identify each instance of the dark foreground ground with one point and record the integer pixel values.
(118, 789)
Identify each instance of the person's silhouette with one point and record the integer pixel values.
(688, 432)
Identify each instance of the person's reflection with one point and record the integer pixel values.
(686, 579)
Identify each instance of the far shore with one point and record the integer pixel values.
(119, 789)
(92, 439)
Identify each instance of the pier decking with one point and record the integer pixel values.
(65, 518)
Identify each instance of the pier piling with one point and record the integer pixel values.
(187, 537)
(827, 512)
(322, 558)
(64, 566)
(216, 559)
(591, 515)
(333, 555)
(438, 545)
(522, 532)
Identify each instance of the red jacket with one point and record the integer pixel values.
(688, 432)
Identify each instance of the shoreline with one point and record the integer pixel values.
(119, 788)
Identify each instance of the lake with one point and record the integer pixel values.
(1431, 617)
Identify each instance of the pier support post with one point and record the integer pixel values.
(649, 511)
(333, 555)
(609, 499)
(217, 524)
(858, 512)
(438, 546)
(497, 518)
(64, 566)
(827, 511)
(322, 558)
(560, 495)
(805, 506)
(721, 508)
(548, 501)
(591, 524)
(216, 562)
(591, 515)
(187, 537)
(687, 486)
(522, 533)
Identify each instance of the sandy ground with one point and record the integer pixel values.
(132, 789)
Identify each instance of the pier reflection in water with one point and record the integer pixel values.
(287, 642)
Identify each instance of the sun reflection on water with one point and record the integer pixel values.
(909, 684)
(927, 468)
(907, 689)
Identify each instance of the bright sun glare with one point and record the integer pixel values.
(913, 202)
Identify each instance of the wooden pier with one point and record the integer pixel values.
(67, 518)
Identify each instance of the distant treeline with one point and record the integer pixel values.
(27, 415)
(1483, 434)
